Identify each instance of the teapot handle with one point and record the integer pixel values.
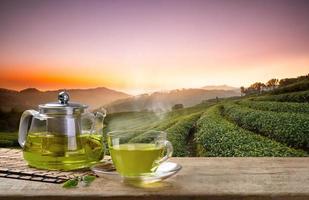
(96, 121)
(24, 125)
(99, 118)
(101, 114)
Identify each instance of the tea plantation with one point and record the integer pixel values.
(216, 136)
(269, 124)
(262, 125)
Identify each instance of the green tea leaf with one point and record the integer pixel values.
(70, 183)
(88, 179)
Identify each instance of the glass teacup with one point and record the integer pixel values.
(138, 153)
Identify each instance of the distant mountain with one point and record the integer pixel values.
(161, 101)
(219, 87)
(113, 100)
(32, 97)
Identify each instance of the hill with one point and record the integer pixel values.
(32, 97)
(220, 87)
(268, 124)
(163, 101)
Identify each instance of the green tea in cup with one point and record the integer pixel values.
(138, 153)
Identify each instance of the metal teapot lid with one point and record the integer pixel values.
(62, 107)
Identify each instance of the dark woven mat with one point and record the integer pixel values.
(12, 165)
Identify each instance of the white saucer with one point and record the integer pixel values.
(164, 171)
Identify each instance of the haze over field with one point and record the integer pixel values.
(146, 46)
(113, 100)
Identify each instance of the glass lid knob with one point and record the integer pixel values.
(63, 97)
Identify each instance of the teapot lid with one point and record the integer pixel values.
(62, 107)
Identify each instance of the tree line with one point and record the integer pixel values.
(272, 84)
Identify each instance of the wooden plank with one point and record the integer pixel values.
(200, 178)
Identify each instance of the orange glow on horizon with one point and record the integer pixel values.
(137, 81)
(146, 46)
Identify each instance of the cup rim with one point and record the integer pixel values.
(112, 133)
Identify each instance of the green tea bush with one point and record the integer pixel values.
(173, 117)
(6, 143)
(288, 97)
(8, 139)
(178, 134)
(297, 86)
(166, 123)
(218, 137)
(130, 120)
(276, 106)
(289, 128)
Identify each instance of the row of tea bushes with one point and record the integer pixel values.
(276, 106)
(289, 128)
(287, 97)
(173, 117)
(179, 134)
(130, 120)
(297, 86)
(167, 122)
(216, 136)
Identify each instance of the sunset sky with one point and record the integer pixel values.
(144, 46)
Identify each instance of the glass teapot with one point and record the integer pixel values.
(62, 135)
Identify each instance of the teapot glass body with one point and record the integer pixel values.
(62, 136)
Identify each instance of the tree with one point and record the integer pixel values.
(272, 83)
(177, 106)
(242, 90)
(287, 81)
(257, 86)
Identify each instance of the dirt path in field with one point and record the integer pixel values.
(190, 141)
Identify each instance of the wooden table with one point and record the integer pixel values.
(200, 178)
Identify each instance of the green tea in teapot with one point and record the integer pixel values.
(59, 152)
